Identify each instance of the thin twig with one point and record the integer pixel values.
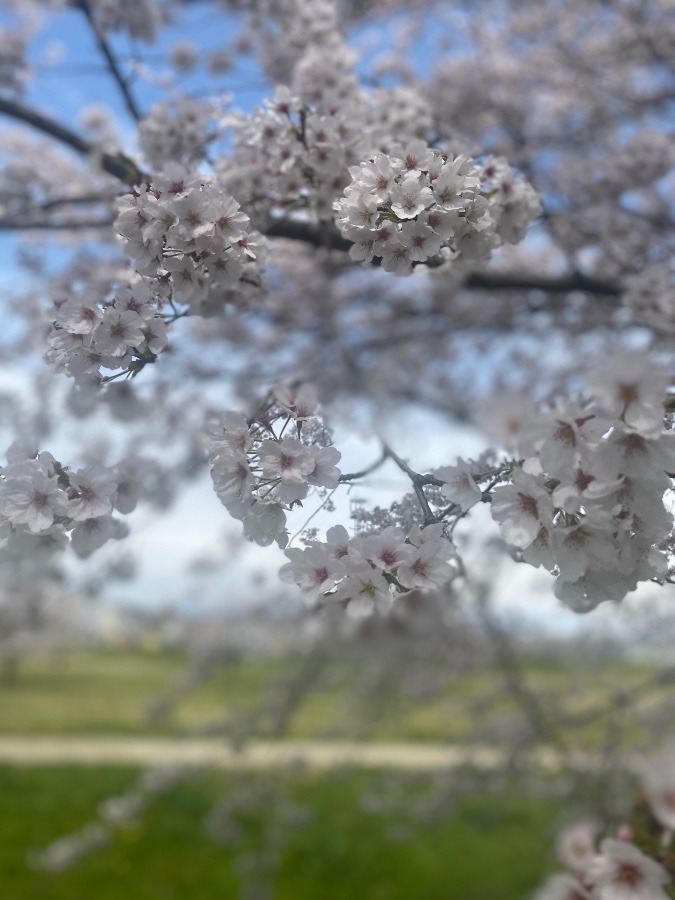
(352, 476)
(315, 513)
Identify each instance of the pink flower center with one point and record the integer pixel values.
(528, 505)
(389, 557)
(628, 874)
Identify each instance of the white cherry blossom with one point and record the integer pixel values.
(459, 484)
(622, 872)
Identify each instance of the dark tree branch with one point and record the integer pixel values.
(564, 285)
(309, 234)
(111, 61)
(43, 123)
(80, 200)
(293, 230)
(117, 165)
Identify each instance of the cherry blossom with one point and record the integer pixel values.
(658, 779)
(622, 872)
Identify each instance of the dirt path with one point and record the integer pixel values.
(91, 751)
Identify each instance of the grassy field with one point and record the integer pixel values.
(491, 847)
(112, 692)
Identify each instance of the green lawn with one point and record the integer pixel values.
(490, 847)
(111, 692)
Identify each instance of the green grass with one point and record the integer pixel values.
(110, 692)
(490, 847)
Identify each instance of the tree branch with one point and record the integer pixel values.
(352, 476)
(309, 234)
(113, 67)
(80, 200)
(43, 123)
(564, 285)
(118, 165)
(418, 482)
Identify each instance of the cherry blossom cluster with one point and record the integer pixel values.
(265, 466)
(183, 55)
(644, 158)
(44, 505)
(416, 204)
(295, 151)
(513, 202)
(23, 186)
(191, 240)
(587, 500)
(365, 573)
(393, 116)
(285, 29)
(285, 156)
(176, 131)
(584, 498)
(446, 495)
(397, 550)
(651, 297)
(95, 341)
(618, 869)
(141, 18)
